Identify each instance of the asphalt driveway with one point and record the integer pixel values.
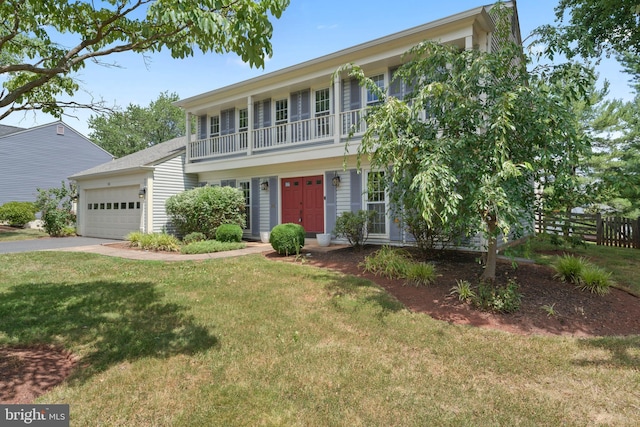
(50, 244)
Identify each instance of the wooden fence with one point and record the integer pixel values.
(606, 231)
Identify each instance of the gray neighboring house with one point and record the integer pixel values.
(42, 157)
(129, 194)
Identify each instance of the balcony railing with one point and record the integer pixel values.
(279, 136)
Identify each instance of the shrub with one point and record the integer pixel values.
(204, 209)
(229, 233)
(595, 280)
(568, 268)
(153, 241)
(287, 239)
(210, 246)
(193, 237)
(388, 262)
(421, 274)
(463, 290)
(17, 214)
(55, 205)
(501, 299)
(353, 227)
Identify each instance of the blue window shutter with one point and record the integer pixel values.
(227, 122)
(294, 109)
(266, 113)
(256, 115)
(203, 127)
(395, 227)
(255, 206)
(395, 89)
(331, 205)
(356, 190)
(273, 201)
(355, 102)
(305, 112)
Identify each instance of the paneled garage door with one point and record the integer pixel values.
(112, 212)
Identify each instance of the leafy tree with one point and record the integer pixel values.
(490, 126)
(55, 205)
(591, 28)
(44, 42)
(136, 128)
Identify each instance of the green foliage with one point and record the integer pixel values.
(396, 263)
(18, 214)
(229, 233)
(54, 205)
(136, 128)
(505, 124)
(204, 209)
(550, 309)
(420, 274)
(463, 290)
(569, 268)
(388, 262)
(153, 241)
(210, 246)
(193, 237)
(287, 239)
(595, 280)
(502, 299)
(39, 66)
(353, 226)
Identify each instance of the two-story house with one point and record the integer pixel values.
(281, 137)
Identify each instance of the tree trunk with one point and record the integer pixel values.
(489, 274)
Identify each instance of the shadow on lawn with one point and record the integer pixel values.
(109, 322)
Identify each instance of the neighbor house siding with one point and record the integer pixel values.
(168, 180)
(42, 158)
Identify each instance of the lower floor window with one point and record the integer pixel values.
(376, 201)
(245, 186)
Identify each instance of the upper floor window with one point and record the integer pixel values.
(373, 98)
(243, 120)
(214, 125)
(322, 102)
(282, 111)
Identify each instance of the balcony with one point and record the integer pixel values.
(318, 130)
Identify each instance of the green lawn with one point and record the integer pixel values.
(623, 263)
(248, 341)
(21, 234)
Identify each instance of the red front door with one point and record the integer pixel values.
(303, 202)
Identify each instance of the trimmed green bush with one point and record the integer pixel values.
(17, 214)
(229, 233)
(500, 299)
(204, 209)
(287, 239)
(55, 206)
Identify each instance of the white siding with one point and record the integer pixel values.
(169, 179)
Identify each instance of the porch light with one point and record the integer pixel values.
(74, 197)
(336, 180)
(142, 192)
(264, 186)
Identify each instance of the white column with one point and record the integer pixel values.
(468, 43)
(188, 132)
(250, 125)
(337, 127)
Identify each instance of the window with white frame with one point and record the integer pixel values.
(322, 102)
(373, 98)
(322, 110)
(245, 187)
(243, 120)
(214, 125)
(376, 201)
(282, 117)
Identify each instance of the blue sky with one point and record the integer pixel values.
(307, 29)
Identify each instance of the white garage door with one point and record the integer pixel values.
(112, 212)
